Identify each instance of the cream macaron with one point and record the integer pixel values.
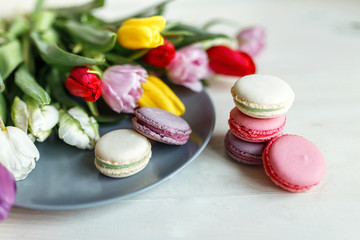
(262, 96)
(122, 153)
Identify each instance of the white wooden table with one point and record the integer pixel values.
(315, 47)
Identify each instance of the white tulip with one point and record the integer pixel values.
(76, 128)
(17, 152)
(38, 119)
(20, 114)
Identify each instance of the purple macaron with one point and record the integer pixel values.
(161, 126)
(243, 151)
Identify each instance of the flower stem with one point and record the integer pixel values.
(93, 108)
(2, 125)
(138, 54)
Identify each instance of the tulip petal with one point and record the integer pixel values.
(7, 192)
(17, 152)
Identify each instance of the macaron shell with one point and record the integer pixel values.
(147, 132)
(162, 119)
(294, 163)
(263, 91)
(255, 129)
(242, 151)
(122, 146)
(262, 96)
(161, 125)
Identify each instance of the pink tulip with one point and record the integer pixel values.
(121, 87)
(7, 192)
(189, 66)
(251, 40)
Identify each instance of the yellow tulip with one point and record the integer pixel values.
(158, 94)
(138, 33)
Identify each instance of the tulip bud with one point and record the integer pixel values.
(161, 56)
(251, 40)
(17, 152)
(121, 86)
(38, 119)
(81, 83)
(158, 94)
(138, 33)
(76, 128)
(189, 66)
(20, 114)
(226, 61)
(7, 192)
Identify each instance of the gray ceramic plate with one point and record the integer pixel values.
(65, 177)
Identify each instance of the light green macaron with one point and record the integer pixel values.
(122, 153)
(262, 96)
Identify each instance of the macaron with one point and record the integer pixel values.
(255, 129)
(293, 163)
(242, 151)
(122, 153)
(161, 125)
(262, 96)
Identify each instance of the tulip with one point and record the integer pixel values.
(226, 61)
(76, 128)
(158, 94)
(139, 33)
(81, 83)
(189, 66)
(38, 119)
(7, 192)
(17, 152)
(161, 56)
(121, 86)
(251, 40)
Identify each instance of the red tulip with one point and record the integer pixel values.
(161, 56)
(80, 83)
(226, 61)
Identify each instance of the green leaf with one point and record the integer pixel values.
(156, 9)
(111, 119)
(3, 107)
(118, 59)
(54, 55)
(198, 35)
(56, 81)
(76, 10)
(92, 38)
(176, 33)
(19, 26)
(30, 87)
(10, 58)
(43, 20)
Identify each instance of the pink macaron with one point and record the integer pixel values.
(161, 126)
(255, 129)
(294, 163)
(243, 151)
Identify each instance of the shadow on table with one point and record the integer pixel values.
(256, 177)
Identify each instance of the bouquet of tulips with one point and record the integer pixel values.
(56, 64)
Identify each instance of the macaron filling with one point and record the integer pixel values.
(163, 132)
(259, 110)
(102, 164)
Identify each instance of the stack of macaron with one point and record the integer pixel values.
(255, 135)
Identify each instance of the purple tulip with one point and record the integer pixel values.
(121, 87)
(7, 192)
(188, 67)
(251, 40)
